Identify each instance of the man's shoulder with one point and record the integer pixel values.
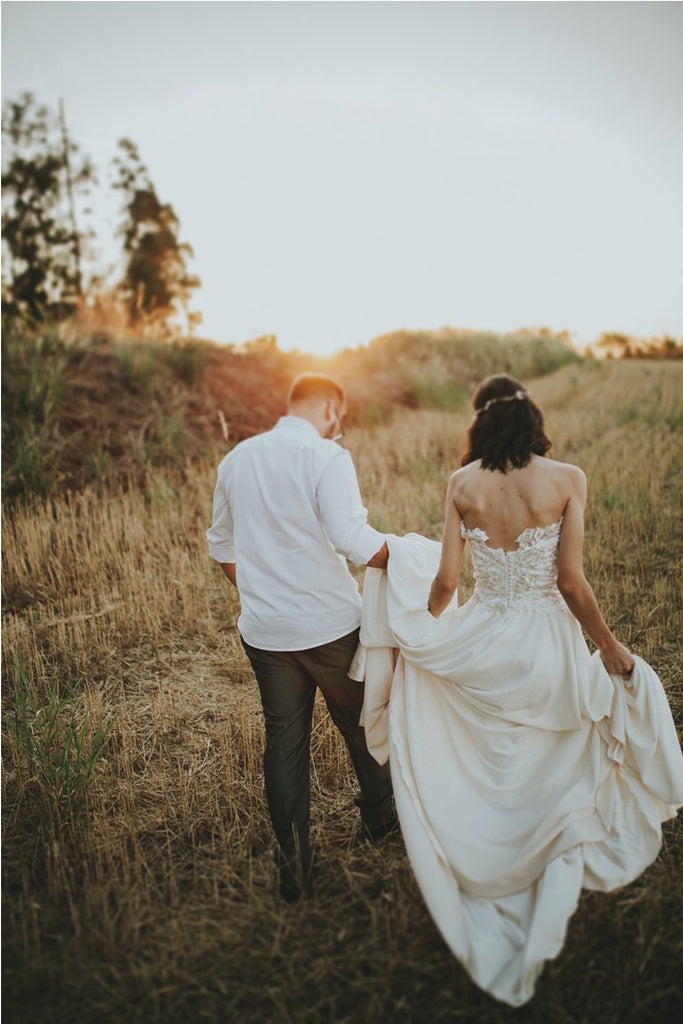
(330, 448)
(319, 454)
(249, 442)
(323, 449)
(237, 450)
(330, 451)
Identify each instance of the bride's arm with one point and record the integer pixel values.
(446, 580)
(576, 589)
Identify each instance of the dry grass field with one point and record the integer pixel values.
(139, 884)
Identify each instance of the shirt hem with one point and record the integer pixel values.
(270, 643)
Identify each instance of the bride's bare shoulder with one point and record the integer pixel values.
(464, 472)
(464, 476)
(569, 478)
(464, 486)
(565, 469)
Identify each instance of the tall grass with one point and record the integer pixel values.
(151, 895)
(464, 356)
(32, 396)
(55, 747)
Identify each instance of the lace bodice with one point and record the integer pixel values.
(523, 579)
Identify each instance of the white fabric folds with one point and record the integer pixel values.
(522, 771)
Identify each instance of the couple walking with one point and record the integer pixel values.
(522, 768)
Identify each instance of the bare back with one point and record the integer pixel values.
(505, 504)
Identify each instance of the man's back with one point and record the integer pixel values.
(288, 511)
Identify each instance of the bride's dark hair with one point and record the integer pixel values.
(507, 428)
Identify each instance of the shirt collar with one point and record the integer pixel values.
(297, 423)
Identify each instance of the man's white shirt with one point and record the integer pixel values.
(287, 510)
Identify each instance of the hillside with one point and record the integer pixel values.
(98, 410)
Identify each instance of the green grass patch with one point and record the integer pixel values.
(55, 748)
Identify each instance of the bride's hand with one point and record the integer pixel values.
(617, 659)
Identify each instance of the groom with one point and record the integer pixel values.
(287, 513)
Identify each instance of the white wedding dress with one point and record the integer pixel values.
(522, 771)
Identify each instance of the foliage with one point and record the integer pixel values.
(614, 345)
(33, 388)
(190, 360)
(74, 414)
(156, 284)
(429, 391)
(43, 178)
(464, 357)
(41, 242)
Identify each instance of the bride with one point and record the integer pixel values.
(524, 768)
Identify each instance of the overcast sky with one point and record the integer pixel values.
(345, 169)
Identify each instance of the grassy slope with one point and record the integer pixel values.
(152, 900)
(99, 411)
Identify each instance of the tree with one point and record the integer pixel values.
(156, 285)
(614, 345)
(42, 172)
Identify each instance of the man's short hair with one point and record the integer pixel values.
(315, 385)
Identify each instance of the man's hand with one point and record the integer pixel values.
(230, 570)
(380, 559)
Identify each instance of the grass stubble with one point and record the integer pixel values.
(138, 875)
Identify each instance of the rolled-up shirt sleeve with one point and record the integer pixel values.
(221, 535)
(342, 512)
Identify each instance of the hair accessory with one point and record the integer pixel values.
(518, 396)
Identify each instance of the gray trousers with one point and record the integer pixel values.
(287, 681)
